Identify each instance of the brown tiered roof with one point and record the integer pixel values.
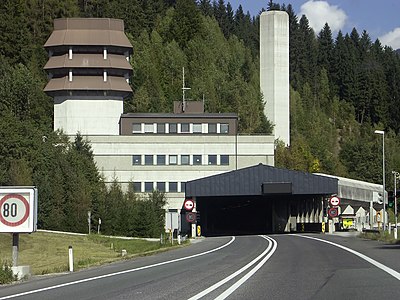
(89, 31)
(87, 38)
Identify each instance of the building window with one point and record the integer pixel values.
(161, 128)
(173, 187)
(137, 187)
(225, 128)
(148, 160)
(197, 128)
(148, 187)
(149, 128)
(160, 160)
(173, 128)
(161, 186)
(173, 159)
(185, 128)
(136, 128)
(212, 159)
(212, 128)
(137, 160)
(183, 186)
(225, 160)
(185, 159)
(197, 159)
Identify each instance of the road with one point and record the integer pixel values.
(242, 267)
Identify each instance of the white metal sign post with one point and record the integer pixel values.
(18, 213)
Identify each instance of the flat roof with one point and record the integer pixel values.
(180, 115)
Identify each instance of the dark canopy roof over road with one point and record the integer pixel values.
(261, 180)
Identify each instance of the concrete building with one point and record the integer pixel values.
(89, 70)
(274, 70)
(164, 151)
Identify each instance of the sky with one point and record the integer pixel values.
(380, 19)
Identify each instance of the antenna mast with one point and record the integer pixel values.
(183, 90)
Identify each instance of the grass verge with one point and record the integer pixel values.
(48, 252)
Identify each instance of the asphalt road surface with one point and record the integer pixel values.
(242, 267)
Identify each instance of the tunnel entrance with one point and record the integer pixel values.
(259, 199)
(235, 215)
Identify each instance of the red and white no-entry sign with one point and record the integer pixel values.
(334, 201)
(18, 209)
(188, 204)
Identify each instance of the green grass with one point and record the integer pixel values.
(381, 236)
(48, 252)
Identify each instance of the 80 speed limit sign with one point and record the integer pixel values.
(18, 209)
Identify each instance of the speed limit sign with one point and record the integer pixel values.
(18, 209)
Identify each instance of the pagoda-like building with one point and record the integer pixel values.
(89, 73)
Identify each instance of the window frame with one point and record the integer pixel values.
(161, 160)
(175, 125)
(195, 160)
(214, 160)
(136, 124)
(210, 125)
(222, 162)
(175, 190)
(146, 157)
(197, 128)
(188, 127)
(227, 128)
(134, 161)
(188, 161)
(176, 159)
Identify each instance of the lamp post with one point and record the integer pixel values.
(396, 175)
(383, 175)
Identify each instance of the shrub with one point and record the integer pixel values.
(6, 273)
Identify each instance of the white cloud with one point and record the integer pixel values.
(320, 12)
(391, 38)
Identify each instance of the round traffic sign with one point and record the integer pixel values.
(191, 217)
(188, 204)
(14, 210)
(333, 212)
(334, 201)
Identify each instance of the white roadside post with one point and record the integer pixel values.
(70, 259)
(98, 226)
(396, 176)
(89, 214)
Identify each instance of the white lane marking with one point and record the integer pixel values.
(249, 274)
(225, 280)
(388, 270)
(117, 273)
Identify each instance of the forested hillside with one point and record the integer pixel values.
(343, 87)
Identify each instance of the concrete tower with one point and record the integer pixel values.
(89, 74)
(274, 70)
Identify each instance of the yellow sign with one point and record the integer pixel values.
(198, 230)
(323, 227)
(347, 223)
(378, 216)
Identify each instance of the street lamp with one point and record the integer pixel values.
(396, 175)
(383, 176)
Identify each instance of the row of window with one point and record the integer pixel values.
(222, 128)
(167, 187)
(161, 160)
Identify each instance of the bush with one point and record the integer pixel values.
(6, 274)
